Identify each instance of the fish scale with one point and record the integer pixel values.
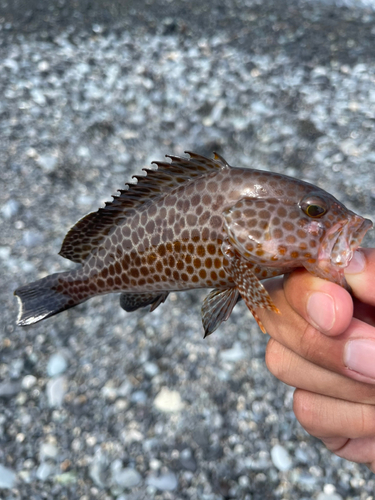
(199, 223)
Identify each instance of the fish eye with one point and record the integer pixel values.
(313, 206)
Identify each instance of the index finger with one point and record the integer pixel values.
(327, 306)
(295, 329)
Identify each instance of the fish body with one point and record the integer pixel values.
(199, 223)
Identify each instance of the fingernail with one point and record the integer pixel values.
(357, 264)
(359, 356)
(321, 309)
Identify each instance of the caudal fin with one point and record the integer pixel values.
(43, 298)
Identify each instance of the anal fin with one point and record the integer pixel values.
(132, 301)
(217, 307)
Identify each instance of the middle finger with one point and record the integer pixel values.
(296, 371)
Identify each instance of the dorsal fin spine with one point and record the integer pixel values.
(154, 184)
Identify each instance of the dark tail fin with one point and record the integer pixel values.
(44, 298)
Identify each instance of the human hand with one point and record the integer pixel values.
(324, 345)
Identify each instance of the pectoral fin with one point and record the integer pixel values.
(217, 307)
(250, 288)
(132, 301)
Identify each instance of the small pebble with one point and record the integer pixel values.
(5, 253)
(48, 163)
(164, 482)
(236, 353)
(28, 382)
(329, 496)
(151, 369)
(56, 389)
(10, 208)
(44, 471)
(138, 397)
(25, 476)
(11, 64)
(32, 238)
(66, 479)
(301, 456)
(48, 450)
(98, 469)
(56, 365)
(7, 477)
(168, 401)
(16, 367)
(187, 460)
(281, 458)
(9, 389)
(126, 478)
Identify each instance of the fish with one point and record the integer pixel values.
(197, 222)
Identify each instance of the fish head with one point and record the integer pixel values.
(311, 230)
(341, 233)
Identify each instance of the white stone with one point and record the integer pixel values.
(168, 401)
(47, 162)
(25, 476)
(56, 365)
(109, 393)
(127, 478)
(132, 436)
(124, 389)
(138, 397)
(43, 66)
(10, 208)
(48, 450)
(11, 64)
(5, 253)
(236, 353)
(7, 477)
(44, 471)
(281, 458)
(98, 467)
(38, 97)
(328, 496)
(165, 482)
(151, 369)
(28, 381)
(56, 389)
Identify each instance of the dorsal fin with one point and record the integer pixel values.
(89, 231)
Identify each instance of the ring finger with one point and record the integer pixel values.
(297, 371)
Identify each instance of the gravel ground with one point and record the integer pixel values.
(99, 404)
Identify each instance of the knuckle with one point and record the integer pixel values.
(366, 420)
(304, 410)
(278, 360)
(272, 356)
(310, 346)
(362, 420)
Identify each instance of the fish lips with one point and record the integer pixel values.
(363, 226)
(342, 239)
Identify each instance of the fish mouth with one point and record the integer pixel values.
(342, 239)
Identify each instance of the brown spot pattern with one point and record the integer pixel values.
(169, 232)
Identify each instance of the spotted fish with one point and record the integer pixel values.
(199, 223)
